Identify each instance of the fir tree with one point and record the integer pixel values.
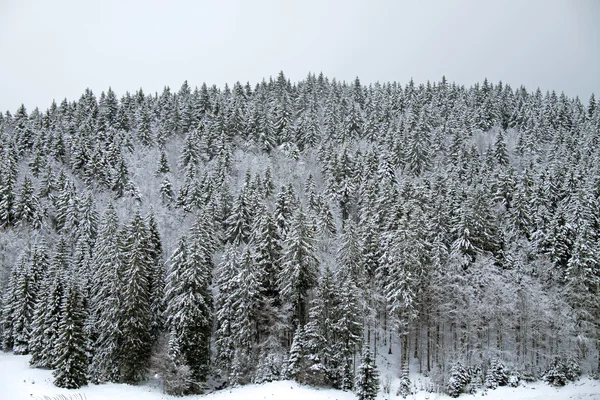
(299, 267)
(225, 311)
(134, 313)
(105, 301)
(71, 361)
(188, 310)
(366, 385)
(29, 272)
(47, 312)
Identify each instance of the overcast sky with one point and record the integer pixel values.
(55, 49)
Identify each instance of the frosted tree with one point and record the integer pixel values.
(188, 311)
(134, 312)
(105, 302)
(71, 360)
(9, 304)
(27, 208)
(366, 384)
(30, 271)
(299, 267)
(47, 312)
(239, 222)
(224, 310)
(156, 280)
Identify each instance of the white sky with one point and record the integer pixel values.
(55, 49)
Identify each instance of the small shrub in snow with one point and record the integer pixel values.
(404, 385)
(528, 375)
(268, 370)
(177, 379)
(513, 379)
(559, 372)
(476, 379)
(497, 375)
(555, 374)
(366, 385)
(572, 369)
(458, 380)
(347, 377)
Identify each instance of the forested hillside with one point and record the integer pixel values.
(255, 233)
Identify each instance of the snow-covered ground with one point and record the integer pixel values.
(19, 381)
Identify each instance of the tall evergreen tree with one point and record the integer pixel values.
(134, 313)
(298, 274)
(189, 311)
(366, 385)
(47, 312)
(71, 360)
(105, 302)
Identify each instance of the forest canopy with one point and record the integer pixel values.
(279, 231)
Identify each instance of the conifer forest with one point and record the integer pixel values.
(219, 236)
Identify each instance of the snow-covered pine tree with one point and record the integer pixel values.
(71, 361)
(27, 208)
(156, 281)
(188, 311)
(134, 312)
(105, 301)
(266, 246)
(298, 273)
(366, 384)
(239, 222)
(458, 380)
(247, 300)
(26, 291)
(9, 303)
(47, 312)
(297, 361)
(321, 364)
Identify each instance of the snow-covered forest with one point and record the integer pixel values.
(223, 236)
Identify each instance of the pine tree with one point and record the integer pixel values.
(71, 361)
(239, 223)
(166, 191)
(30, 273)
(27, 208)
(366, 385)
(105, 301)
(163, 164)
(9, 303)
(225, 311)
(188, 310)
(156, 279)
(8, 178)
(47, 312)
(350, 253)
(458, 380)
(134, 313)
(299, 267)
(323, 364)
(297, 363)
(500, 151)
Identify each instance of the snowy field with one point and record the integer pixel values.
(19, 381)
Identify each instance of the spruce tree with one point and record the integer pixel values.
(105, 302)
(9, 303)
(366, 385)
(188, 311)
(47, 312)
(134, 313)
(71, 360)
(156, 278)
(225, 311)
(26, 291)
(298, 273)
